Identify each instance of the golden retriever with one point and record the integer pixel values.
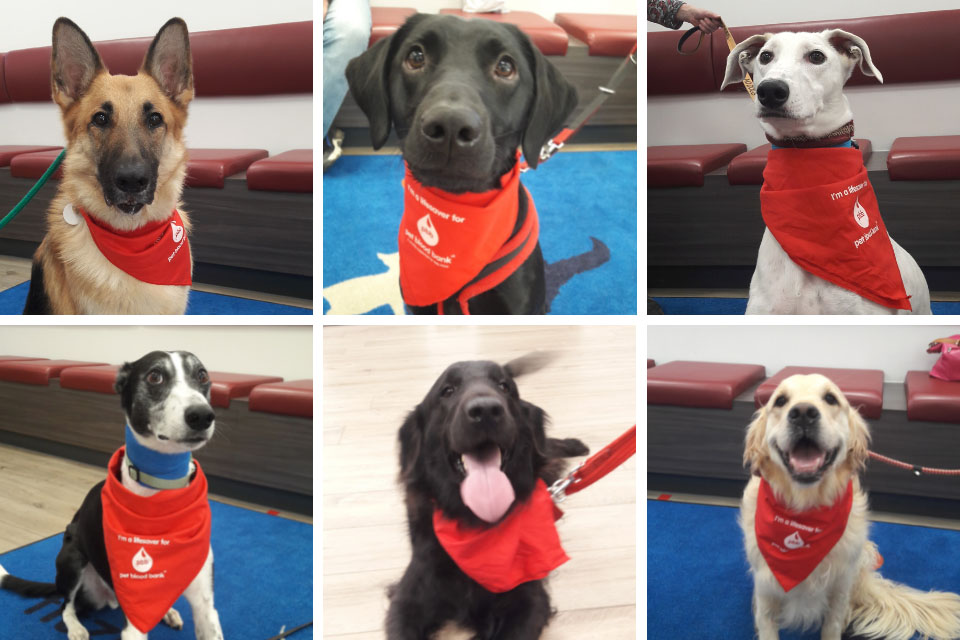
(806, 448)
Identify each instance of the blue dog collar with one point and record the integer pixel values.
(154, 469)
(848, 143)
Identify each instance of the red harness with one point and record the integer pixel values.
(156, 546)
(820, 206)
(157, 253)
(462, 244)
(524, 546)
(794, 543)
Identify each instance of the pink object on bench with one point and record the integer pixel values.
(548, 37)
(862, 387)
(685, 165)
(99, 378)
(700, 384)
(288, 171)
(225, 386)
(210, 167)
(604, 34)
(38, 372)
(294, 398)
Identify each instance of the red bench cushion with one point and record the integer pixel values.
(669, 73)
(549, 38)
(294, 398)
(386, 20)
(32, 165)
(685, 165)
(210, 167)
(747, 168)
(925, 158)
(17, 358)
(650, 363)
(700, 384)
(605, 35)
(930, 398)
(224, 386)
(287, 171)
(9, 151)
(4, 96)
(99, 378)
(37, 371)
(862, 387)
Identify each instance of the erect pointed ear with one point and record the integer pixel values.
(753, 451)
(74, 63)
(859, 440)
(123, 376)
(853, 47)
(369, 78)
(411, 441)
(554, 99)
(741, 60)
(168, 61)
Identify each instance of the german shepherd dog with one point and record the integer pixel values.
(124, 170)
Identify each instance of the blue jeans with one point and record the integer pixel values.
(346, 32)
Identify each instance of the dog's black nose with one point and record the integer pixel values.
(448, 124)
(773, 93)
(803, 414)
(484, 409)
(198, 416)
(132, 178)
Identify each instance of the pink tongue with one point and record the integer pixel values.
(806, 459)
(486, 490)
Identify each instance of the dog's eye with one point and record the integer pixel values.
(154, 120)
(765, 57)
(203, 377)
(816, 57)
(416, 58)
(101, 119)
(830, 399)
(505, 68)
(504, 386)
(154, 377)
(780, 401)
(447, 391)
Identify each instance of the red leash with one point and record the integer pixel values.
(596, 466)
(915, 468)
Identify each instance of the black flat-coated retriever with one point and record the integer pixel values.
(463, 96)
(472, 416)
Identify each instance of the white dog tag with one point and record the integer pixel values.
(70, 216)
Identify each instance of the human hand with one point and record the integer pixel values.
(326, 5)
(707, 21)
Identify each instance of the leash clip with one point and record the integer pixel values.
(549, 149)
(557, 489)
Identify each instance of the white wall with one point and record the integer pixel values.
(893, 349)
(546, 8)
(880, 114)
(274, 123)
(285, 351)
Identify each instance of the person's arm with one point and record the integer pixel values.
(706, 20)
(326, 5)
(664, 12)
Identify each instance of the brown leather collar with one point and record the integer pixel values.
(832, 139)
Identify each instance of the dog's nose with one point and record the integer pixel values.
(804, 414)
(446, 124)
(484, 409)
(773, 93)
(198, 416)
(131, 178)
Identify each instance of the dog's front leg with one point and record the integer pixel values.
(835, 620)
(130, 632)
(206, 620)
(766, 611)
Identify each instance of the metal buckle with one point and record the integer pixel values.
(549, 149)
(558, 488)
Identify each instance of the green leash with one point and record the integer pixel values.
(33, 190)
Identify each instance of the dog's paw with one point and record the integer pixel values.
(79, 633)
(173, 620)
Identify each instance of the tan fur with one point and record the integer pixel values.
(844, 589)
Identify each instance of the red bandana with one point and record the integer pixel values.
(524, 546)
(450, 240)
(820, 206)
(156, 546)
(794, 543)
(157, 253)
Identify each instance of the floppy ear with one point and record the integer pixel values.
(742, 59)
(853, 47)
(753, 451)
(411, 439)
(554, 99)
(529, 363)
(74, 63)
(123, 375)
(369, 78)
(168, 61)
(859, 440)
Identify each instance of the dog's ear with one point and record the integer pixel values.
(74, 63)
(369, 78)
(529, 363)
(123, 375)
(856, 50)
(168, 61)
(859, 440)
(411, 440)
(753, 450)
(554, 99)
(742, 59)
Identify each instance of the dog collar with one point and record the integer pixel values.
(153, 469)
(833, 139)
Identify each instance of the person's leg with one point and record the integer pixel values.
(346, 32)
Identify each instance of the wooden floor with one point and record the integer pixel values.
(373, 375)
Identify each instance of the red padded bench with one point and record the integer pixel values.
(747, 168)
(549, 38)
(386, 20)
(862, 387)
(650, 363)
(685, 165)
(224, 386)
(287, 171)
(18, 358)
(100, 378)
(38, 372)
(925, 158)
(604, 35)
(294, 398)
(32, 165)
(700, 384)
(932, 399)
(10, 151)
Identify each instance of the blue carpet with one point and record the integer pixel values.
(579, 196)
(738, 306)
(200, 304)
(263, 575)
(698, 585)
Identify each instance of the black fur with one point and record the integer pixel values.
(433, 590)
(38, 302)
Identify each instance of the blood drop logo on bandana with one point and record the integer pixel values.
(820, 206)
(157, 253)
(524, 546)
(156, 546)
(794, 543)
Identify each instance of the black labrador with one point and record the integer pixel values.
(463, 95)
(472, 408)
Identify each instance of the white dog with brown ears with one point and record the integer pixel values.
(804, 519)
